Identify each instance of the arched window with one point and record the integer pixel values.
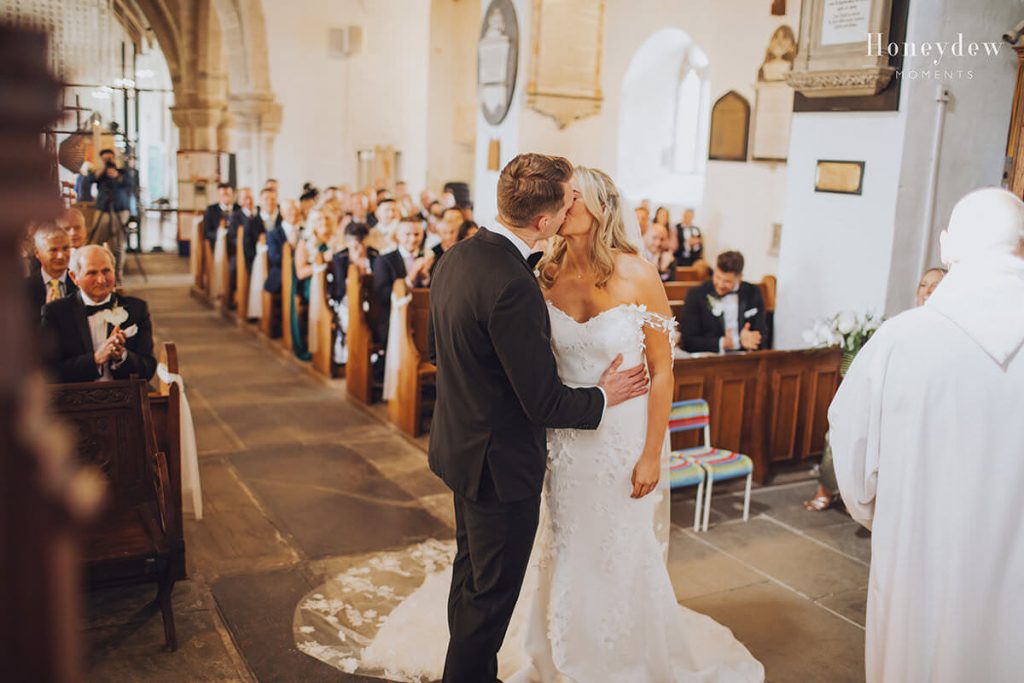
(663, 125)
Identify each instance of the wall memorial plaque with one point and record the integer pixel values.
(497, 60)
(839, 177)
(565, 59)
(730, 126)
(833, 59)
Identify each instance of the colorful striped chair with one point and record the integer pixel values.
(717, 463)
(685, 472)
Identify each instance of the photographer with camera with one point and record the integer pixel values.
(113, 207)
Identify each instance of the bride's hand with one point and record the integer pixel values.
(646, 474)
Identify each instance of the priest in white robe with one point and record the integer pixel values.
(927, 433)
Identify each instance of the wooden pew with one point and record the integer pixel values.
(287, 296)
(165, 405)
(362, 314)
(698, 272)
(322, 357)
(768, 287)
(241, 278)
(196, 254)
(226, 298)
(414, 369)
(677, 291)
(267, 314)
(770, 405)
(131, 542)
(207, 268)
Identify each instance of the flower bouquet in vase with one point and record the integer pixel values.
(849, 331)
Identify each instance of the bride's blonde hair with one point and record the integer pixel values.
(604, 203)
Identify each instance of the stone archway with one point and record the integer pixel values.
(223, 99)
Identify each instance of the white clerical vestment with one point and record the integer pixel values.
(927, 433)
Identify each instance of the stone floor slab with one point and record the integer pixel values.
(696, 568)
(797, 641)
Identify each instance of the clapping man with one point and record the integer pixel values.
(96, 334)
(407, 262)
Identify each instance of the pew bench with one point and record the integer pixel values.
(415, 371)
(131, 542)
(363, 311)
(165, 405)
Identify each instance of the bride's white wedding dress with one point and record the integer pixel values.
(597, 604)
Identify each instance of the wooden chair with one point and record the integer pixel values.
(287, 296)
(241, 278)
(165, 405)
(414, 369)
(267, 314)
(768, 287)
(131, 541)
(362, 314)
(322, 357)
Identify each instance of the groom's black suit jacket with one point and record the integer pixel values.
(497, 381)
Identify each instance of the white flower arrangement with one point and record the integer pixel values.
(847, 330)
(715, 305)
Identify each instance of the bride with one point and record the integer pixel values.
(597, 603)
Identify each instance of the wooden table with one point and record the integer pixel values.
(770, 405)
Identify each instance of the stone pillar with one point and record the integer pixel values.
(255, 119)
(198, 125)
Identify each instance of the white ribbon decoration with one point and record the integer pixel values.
(191, 488)
(220, 253)
(316, 296)
(257, 279)
(392, 359)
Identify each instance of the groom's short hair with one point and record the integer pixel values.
(531, 184)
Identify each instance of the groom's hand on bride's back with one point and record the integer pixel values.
(622, 385)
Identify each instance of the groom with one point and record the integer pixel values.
(497, 389)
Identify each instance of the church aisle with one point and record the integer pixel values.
(299, 484)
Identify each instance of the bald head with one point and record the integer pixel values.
(986, 222)
(92, 269)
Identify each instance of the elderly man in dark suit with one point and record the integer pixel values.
(407, 262)
(51, 281)
(725, 314)
(96, 334)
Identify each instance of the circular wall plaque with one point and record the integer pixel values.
(497, 60)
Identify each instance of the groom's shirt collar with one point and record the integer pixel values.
(516, 241)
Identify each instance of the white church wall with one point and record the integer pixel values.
(334, 107)
(741, 200)
(864, 253)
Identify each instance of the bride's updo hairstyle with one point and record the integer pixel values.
(604, 203)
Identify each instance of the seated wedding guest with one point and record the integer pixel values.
(929, 281)
(120, 342)
(467, 230)
(355, 253)
(725, 313)
(270, 210)
(467, 211)
(219, 212)
(426, 200)
(72, 221)
(408, 262)
(315, 241)
(330, 194)
(689, 241)
(828, 487)
(382, 235)
(288, 230)
(247, 218)
(657, 251)
(51, 281)
(271, 183)
(661, 217)
(447, 234)
(643, 217)
(308, 200)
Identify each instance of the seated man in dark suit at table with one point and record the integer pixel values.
(407, 261)
(51, 281)
(95, 334)
(724, 314)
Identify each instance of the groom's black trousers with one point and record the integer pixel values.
(494, 541)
